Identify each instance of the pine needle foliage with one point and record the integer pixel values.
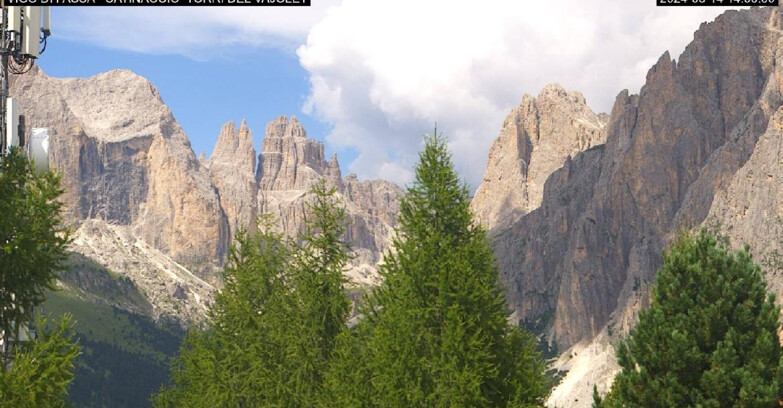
(236, 362)
(709, 338)
(322, 305)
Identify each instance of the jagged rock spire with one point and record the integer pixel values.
(232, 169)
(289, 160)
(535, 140)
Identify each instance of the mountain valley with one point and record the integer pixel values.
(579, 205)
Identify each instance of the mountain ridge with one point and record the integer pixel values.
(579, 205)
(142, 204)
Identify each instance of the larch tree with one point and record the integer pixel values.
(322, 305)
(436, 332)
(274, 324)
(33, 245)
(235, 362)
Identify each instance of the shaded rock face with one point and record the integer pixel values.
(678, 155)
(125, 160)
(748, 206)
(290, 163)
(535, 140)
(372, 210)
(142, 204)
(232, 169)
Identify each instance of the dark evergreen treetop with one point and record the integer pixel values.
(709, 339)
(322, 304)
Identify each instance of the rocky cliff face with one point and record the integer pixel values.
(126, 161)
(232, 169)
(699, 146)
(290, 163)
(587, 256)
(535, 140)
(128, 169)
(141, 203)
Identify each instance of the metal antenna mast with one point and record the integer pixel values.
(24, 31)
(4, 51)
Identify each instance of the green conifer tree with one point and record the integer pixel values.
(32, 251)
(709, 339)
(234, 363)
(435, 333)
(322, 305)
(273, 326)
(40, 373)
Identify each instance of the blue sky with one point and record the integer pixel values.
(257, 85)
(369, 77)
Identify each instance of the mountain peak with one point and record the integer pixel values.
(120, 73)
(112, 106)
(295, 129)
(282, 127)
(556, 93)
(234, 147)
(289, 160)
(232, 169)
(536, 139)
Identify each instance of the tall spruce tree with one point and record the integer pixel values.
(274, 324)
(709, 339)
(32, 251)
(435, 333)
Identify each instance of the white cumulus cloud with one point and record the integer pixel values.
(195, 32)
(384, 72)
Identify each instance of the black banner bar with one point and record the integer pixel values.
(715, 3)
(125, 3)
